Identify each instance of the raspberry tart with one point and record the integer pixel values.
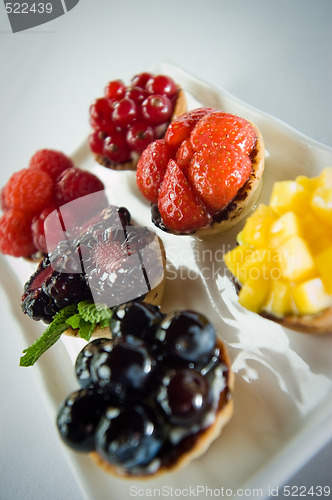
(162, 406)
(205, 175)
(129, 117)
(50, 181)
(282, 264)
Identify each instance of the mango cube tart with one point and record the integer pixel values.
(283, 258)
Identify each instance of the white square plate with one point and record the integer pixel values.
(282, 398)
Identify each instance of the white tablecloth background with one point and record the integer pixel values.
(273, 54)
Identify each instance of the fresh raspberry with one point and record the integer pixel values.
(29, 190)
(38, 231)
(51, 162)
(15, 234)
(151, 169)
(220, 129)
(73, 184)
(180, 129)
(178, 204)
(218, 174)
(3, 203)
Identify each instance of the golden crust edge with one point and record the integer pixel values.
(204, 441)
(318, 324)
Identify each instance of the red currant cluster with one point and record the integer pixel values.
(31, 194)
(128, 118)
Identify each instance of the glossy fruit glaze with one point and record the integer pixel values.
(155, 388)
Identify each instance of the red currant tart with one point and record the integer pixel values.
(153, 397)
(204, 176)
(127, 118)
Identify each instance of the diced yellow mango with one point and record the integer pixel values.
(279, 301)
(296, 262)
(253, 294)
(317, 234)
(321, 204)
(324, 267)
(283, 228)
(325, 178)
(258, 264)
(257, 227)
(311, 297)
(290, 196)
(310, 183)
(234, 260)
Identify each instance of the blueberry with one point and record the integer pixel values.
(123, 367)
(139, 319)
(130, 438)
(78, 418)
(187, 336)
(185, 396)
(83, 361)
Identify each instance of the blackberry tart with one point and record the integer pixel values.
(153, 397)
(109, 262)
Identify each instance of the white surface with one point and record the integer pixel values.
(273, 55)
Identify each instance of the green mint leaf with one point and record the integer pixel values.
(74, 321)
(104, 323)
(49, 337)
(90, 312)
(86, 329)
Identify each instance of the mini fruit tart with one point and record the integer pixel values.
(129, 117)
(110, 262)
(205, 175)
(153, 397)
(50, 181)
(282, 263)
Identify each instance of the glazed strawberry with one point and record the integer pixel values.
(15, 234)
(29, 190)
(178, 204)
(151, 169)
(222, 129)
(218, 174)
(184, 155)
(212, 155)
(180, 129)
(50, 161)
